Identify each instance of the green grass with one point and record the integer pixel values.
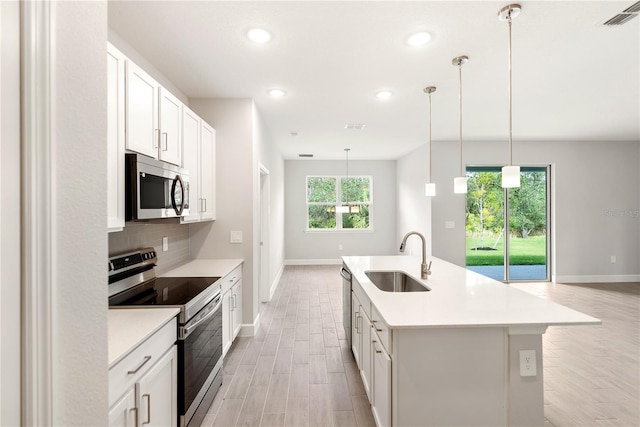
(529, 251)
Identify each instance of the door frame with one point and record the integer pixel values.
(265, 235)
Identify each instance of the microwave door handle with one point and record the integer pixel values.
(176, 208)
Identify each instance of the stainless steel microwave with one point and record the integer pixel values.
(155, 189)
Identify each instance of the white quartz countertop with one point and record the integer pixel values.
(458, 298)
(204, 268)
(128, 327)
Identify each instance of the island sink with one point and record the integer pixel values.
(395, 281)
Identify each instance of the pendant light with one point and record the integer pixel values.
(345, 208)
(510, 173)
(430, 187)
(460, 182)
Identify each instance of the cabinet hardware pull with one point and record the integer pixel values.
(137, 421)
(373, 325)
(148, 396)
(166, 142)
(375, 347)
(144, 362)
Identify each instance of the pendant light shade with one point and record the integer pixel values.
(460, 182)
(429, 187)
(460, 185)
(345, 208)
(510, 173)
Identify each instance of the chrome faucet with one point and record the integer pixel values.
(425, 270)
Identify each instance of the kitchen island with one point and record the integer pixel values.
(466, 352)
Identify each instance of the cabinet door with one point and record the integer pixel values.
(365, 353)
(124, 412)
(381, 403)
(191, 160)
(355, 329)
(141, 111)
(115, 138)
(207, 172)
(170, 134)
(227, 321)
(157, 392)
(237, 308)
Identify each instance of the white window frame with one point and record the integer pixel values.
(338, 227)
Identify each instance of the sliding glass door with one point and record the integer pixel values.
(507, 229)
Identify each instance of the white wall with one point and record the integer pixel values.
(79, 219)
(10, 219)
(414, 208)
(271, 158)
(302, 246)
(236, 172)
(589, 181)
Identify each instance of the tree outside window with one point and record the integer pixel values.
(324, 212)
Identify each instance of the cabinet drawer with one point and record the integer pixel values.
(231, 279)
(126, 372)
(381, 329)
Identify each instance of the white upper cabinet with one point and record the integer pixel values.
(142, 112)
(115, 138)
(207, 172)
(198, 156)
(170, 131)
(153, 118)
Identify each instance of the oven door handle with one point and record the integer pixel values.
(185, 331)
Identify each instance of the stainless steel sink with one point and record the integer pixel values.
(395, 281)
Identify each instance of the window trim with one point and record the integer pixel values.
(338, 228)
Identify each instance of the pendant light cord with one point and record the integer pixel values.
(346, 189)
(510, 102)
(460, 76)
(430, 156)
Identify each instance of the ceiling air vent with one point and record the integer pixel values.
(624, 16)
(305, 155)
(354, 126)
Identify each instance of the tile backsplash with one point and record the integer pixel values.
(138, 235)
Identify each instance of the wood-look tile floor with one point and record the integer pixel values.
(297, 371)
(592, 373)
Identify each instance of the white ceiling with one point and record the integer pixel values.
(573, 78)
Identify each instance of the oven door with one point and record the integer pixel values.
(200, 364)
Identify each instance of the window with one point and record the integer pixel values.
(339, 203)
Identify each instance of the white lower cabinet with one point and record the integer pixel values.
(143, 386)
(231, 307)
(381, 396)
(361, 341)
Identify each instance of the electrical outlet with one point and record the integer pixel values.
(528, 363)
(165, 244)
(449, 224)
(613, 259)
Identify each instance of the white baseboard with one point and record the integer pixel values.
(332, 261)
(613, 278)
(276, 282)
(250, 330)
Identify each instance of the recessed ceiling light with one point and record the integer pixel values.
(277, 93)
(259, 35)
(384, 94)
(419, 39)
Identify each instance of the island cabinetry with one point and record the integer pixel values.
(231, 307)
(198, 157)
(143, 385)
(361, 341)
(381, 373)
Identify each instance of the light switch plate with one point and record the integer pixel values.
(235, 237)
(165, 244)
(528, 363)
(449, 224)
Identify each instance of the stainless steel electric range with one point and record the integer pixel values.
(133, 283)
